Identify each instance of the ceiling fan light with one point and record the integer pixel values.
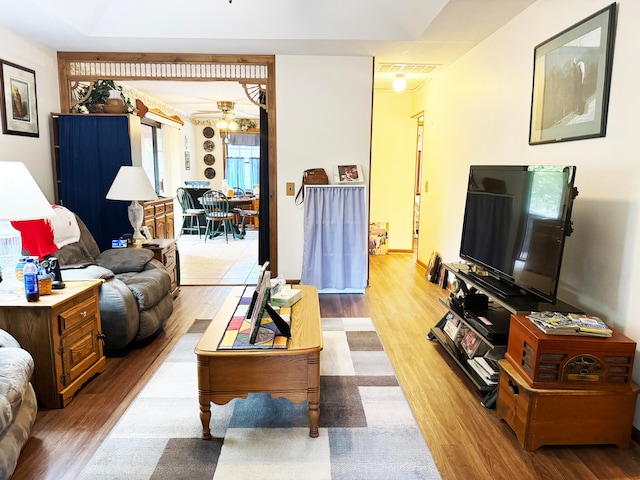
(221, 124)
(399, 83)
(233, 125)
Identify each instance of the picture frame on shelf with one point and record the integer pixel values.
(19, 100)
(571, 81)
(348, 174)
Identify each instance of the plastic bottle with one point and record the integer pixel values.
(30, 274)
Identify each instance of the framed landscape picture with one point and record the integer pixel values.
(19, 105)
(571, 80)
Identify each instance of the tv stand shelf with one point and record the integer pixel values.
(516, 304)
(491, 326)
(456, 352)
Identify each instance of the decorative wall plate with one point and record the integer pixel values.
(209, 173)
(209, 159)
(208, 132)
(209, 146)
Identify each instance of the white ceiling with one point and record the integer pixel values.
(417, 37)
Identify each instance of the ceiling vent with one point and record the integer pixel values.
(417, 69)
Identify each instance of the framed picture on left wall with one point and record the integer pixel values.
(19, 100)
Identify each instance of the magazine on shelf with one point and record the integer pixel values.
(485, 376)
(470, 343)
(452, 327)
(554, 323)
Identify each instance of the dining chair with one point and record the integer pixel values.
(217, 210)
(249, 214)
(239, 192)
(190, 214)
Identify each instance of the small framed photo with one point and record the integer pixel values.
(348, 174)
(19, 105)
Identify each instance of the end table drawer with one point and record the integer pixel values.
(169, 258)
(78, 314)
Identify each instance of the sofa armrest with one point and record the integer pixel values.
(124, 260)
(7, 340)
(92, 272)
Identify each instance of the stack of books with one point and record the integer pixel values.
(554, 323)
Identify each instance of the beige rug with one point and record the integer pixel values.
(216, 262)
(367, 429)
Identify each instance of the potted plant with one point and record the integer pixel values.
(97, 97)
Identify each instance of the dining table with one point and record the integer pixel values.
(234, 202)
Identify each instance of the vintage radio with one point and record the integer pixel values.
(568, 361)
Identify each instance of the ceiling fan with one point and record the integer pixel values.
(226, 109)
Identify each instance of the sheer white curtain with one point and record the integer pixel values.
(335, 255)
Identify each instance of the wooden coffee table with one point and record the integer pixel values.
(293, 373)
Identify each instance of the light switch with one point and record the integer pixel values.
(291, 187)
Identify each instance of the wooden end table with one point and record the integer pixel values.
(63, 334)
(293, 373)
(165, 250)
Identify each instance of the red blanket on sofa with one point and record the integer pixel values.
(44, 237)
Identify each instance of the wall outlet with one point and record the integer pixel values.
(426, 186)
(291, 188)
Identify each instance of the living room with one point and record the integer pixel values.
(476, 112)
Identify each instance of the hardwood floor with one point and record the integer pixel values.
(467, 440)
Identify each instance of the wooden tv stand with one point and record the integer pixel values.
(564, 417)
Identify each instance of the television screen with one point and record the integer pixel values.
(515, 223)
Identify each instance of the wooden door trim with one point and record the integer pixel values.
(66, 77)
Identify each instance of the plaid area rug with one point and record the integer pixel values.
(367, 429)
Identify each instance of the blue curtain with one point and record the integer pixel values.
(92, 149)
(235, 172)
(254, 164)
(335, 255)
(249, 139)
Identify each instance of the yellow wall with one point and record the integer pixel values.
(393, 159)
(477, 112)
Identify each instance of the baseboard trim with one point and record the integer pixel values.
(399, 251)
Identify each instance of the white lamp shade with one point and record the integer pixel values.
(399, 83)
(20, 195)
(131, 183)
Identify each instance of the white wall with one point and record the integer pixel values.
(34, 152)
(323, 120)
(477, 112)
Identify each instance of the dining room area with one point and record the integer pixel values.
(217, 237)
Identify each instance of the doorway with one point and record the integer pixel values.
(256, 73)
(418, 182)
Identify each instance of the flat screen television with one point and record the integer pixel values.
(516, 220)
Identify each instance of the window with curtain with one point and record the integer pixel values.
(242, 168)
(152, 152)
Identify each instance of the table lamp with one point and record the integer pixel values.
(132, 184)
(20, 199)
